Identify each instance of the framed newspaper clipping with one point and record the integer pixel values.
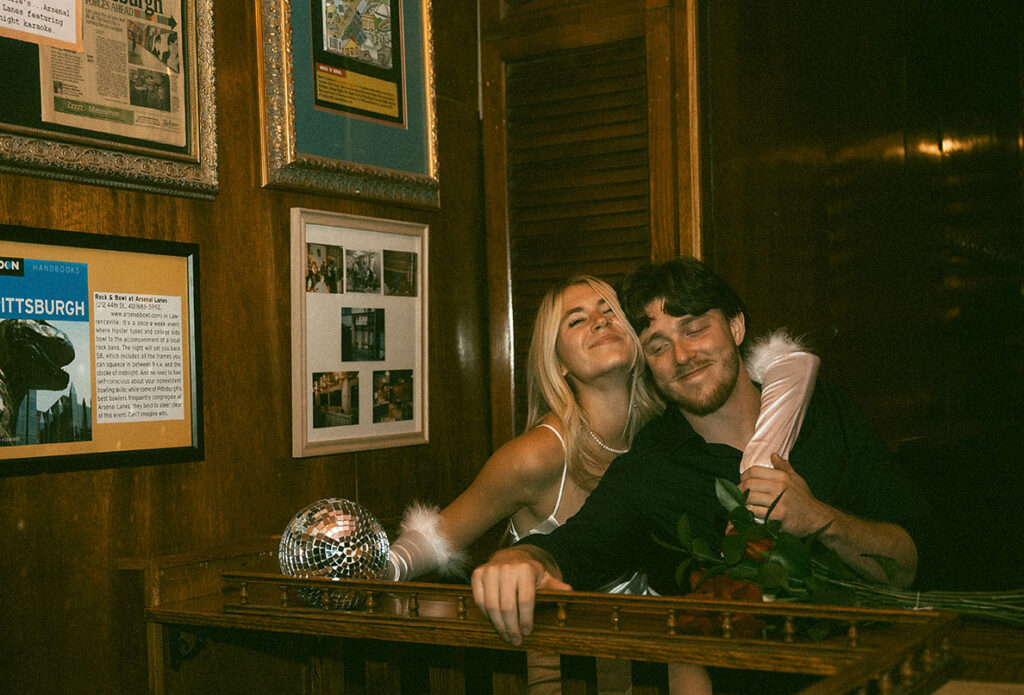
(132, 106)
(359, 323)
(99, 351)
(347, 99)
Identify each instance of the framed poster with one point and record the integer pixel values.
(359, 347)
(133, 108)
(99, 351)
(347, 98)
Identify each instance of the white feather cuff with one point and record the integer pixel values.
(421, 547)
(769, 348)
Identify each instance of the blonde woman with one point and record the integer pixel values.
(586, 399)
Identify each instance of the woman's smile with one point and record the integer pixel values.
(609, 337)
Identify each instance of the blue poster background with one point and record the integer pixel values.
(50, 281)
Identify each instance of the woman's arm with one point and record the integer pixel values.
(787, 373)
(517, 475)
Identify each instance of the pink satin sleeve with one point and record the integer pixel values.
(786, 389)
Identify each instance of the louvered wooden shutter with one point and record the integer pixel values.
(577, 176)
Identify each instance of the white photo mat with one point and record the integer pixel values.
(359, 347)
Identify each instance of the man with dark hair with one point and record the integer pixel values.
(686, 285)
(691, 324)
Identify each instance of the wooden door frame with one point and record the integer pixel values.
(669, 30)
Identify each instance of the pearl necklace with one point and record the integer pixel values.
(603, 445)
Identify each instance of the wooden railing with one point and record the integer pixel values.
(856, 649)
(431, 638)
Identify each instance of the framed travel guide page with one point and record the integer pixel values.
(99, 351)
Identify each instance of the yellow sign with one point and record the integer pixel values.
(355, 91)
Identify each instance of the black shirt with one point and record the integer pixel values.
(670, 470)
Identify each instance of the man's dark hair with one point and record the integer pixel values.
(687, 286)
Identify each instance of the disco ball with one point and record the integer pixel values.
(334, 538)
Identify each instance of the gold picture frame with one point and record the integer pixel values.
(359, 333)
(334, 147)
(87, 131)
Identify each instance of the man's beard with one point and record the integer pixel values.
(705, 404)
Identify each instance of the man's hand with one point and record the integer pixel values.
(801, 514)
(505, 587)
(798, 509)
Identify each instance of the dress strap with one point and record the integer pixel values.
(557, 434)
(551, 523)
(561, 489)
(565, 468)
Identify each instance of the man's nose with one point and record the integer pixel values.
(682, 349)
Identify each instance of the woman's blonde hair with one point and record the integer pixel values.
(548, 390)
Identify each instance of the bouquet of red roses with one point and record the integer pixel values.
(787, 568)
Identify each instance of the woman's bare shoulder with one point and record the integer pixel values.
(534, 457)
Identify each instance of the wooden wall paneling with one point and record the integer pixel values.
(447, 671)
(458, 335)
(156, 653)
(62, 529)
(878, 238)
(457, 340)
(866, 176)
(221, 662)
(673, 147)
(661, 99)
(499, 272)
(573, 31)
(878, 195)
(689, 162)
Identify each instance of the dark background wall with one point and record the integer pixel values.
(863, 187)
(62, 533)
